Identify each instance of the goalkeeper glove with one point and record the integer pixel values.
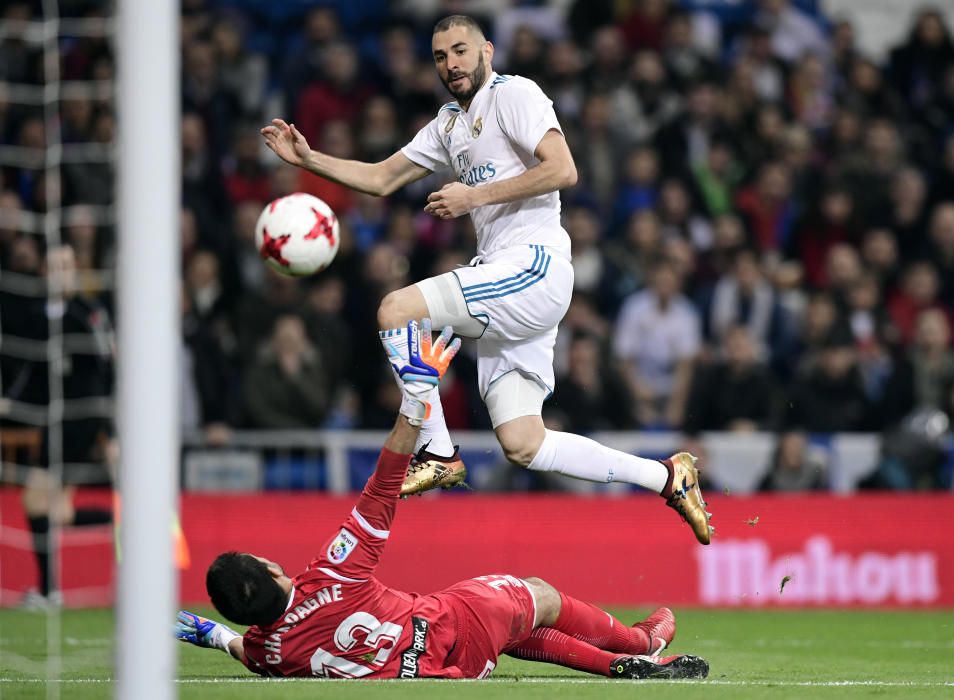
(204, 632)
(422, 369)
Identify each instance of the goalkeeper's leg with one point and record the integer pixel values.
(551, 646)
(575, 634)
(585, 622)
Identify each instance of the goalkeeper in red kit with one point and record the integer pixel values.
(337, 620)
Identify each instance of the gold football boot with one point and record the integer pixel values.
(685, 496)
(428, 471)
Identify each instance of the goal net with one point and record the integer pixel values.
(57, 347)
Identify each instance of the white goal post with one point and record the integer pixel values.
(148, 185)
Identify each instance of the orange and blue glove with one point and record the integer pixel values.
(421, 368)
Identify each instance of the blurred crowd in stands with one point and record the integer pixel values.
(763, 229)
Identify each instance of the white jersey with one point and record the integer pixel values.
(495, 140)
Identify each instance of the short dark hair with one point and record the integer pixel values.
(458, 21)
(243, 590)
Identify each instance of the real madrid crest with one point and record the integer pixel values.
(478, 126)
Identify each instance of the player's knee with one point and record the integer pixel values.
(44, 498)
(38, 492)
(520, 443)
(547, 599)
(390, 311)
(519, 452)
(35, 501)
(400, 306)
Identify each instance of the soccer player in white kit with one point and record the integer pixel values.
(505, 146)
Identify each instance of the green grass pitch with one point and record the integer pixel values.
(753, 654)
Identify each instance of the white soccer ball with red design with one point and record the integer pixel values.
(297, 235)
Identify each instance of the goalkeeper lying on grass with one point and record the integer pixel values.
(337, 620)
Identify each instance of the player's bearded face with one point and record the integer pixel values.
(464, 85)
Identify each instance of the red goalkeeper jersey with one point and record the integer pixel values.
(341, 622)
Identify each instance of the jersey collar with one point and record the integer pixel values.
(483, 90)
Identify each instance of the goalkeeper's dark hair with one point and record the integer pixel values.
(459, 21)
(243, 590)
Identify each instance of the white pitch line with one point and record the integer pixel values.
(534, 680)
(755, 641)
(795, 642)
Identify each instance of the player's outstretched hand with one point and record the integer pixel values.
(203, 632)
(437, 353)
(427, 359)
(420, 371)
(285, 140)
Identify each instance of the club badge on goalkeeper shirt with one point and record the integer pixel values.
(341, 546)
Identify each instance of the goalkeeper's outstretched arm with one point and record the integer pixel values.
(379, 179)
(237, 650)
(419, 371)
(209, 634)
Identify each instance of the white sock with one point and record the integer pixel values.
(397, 338)
(583, 458)
(434, 432)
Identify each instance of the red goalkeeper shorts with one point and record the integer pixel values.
(494, 613)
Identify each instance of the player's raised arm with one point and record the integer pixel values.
(380, 179)
(419, 363)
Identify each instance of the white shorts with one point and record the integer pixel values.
(512, 302)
